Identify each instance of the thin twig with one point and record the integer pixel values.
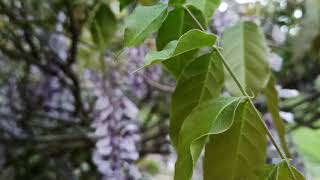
(159, 86)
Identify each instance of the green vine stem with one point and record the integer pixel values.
(244, 93)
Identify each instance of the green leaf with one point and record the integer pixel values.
(317, 83)
(193, 12)
(178, 22)
(124, 3)
(182, 22)
(103, 26)
(245, 49)
(273, 107)
(282, 172)
(307, 142)
(201, 80)
(176, 2)
(239, 152)
(206, 6)
(211, 117)
(142, 22)
(172, 28)
(191, 40)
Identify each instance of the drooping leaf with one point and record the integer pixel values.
(193, 39)
(281, 172)
(201, 80)
(245, 50)
(142, 22)
(273, 107)
(176, 24)
(239, 152)
(206, 6)
(211, 117)
(103, 26)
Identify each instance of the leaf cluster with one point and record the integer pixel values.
(229, 129)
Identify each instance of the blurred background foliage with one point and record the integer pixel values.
(72, 108)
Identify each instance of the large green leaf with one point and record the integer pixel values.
(201, 80)
(245, 50)
(178, 22)
(142, 22)
(191, 40)
(206, 6)
(281, 172)
(103, 26)
(238, 153)
(273, 107)
(211, 117)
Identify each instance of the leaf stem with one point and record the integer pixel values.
(281, 154)
(195, 19)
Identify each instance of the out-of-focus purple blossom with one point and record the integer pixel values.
(287, 93)
(287, 116)
(58, 44)
(128, 78)
(275, 61)
(278, 35)
(116, 125)
(223, 20)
